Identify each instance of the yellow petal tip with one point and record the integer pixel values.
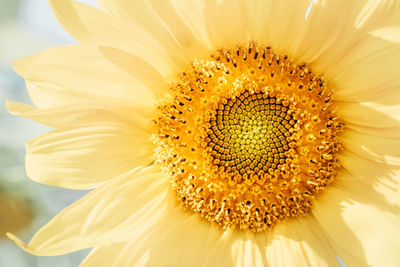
(16, 108)
(18, 241)
(9, 105)
(18, 65)
(23, 245)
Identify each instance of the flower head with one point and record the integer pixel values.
(220, 133)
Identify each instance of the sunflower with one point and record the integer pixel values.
(220, 133)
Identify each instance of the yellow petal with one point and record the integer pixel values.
(82, 157)
(66, 13)
(174, 24)
(298, 242)
(193, 17)
(391, 132)
(119, 210)
(305, 29)
(360, 223)
(246, 251)
(236, 22)
(391, 34)
(103, 256)
(374, 148)
(219, 250)
(191, 43)
(137, 68)
(369, 69)
(328, 48)
(193, 238)
(166, 11)
(87, 113)
(381, 178)
(137, 14)
(372, 118)
(370, 114)
(310, 38)
(378, 14)
(106, 30)
(226, 22)
(79, 73)
(317, 40)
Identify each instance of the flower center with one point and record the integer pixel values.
(249, 134)
(247, 138)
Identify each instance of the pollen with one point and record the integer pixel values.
(248, 137)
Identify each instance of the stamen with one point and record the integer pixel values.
(248, 137)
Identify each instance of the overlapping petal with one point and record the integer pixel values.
(299, 242)
(71, 74)
(174, 24)
(93, 142)
(120, 209)
(369, 69)
(373, 148)
(365, 220)
(104, 29)
(379, 177)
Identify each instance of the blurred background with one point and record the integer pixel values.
(26, 27)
